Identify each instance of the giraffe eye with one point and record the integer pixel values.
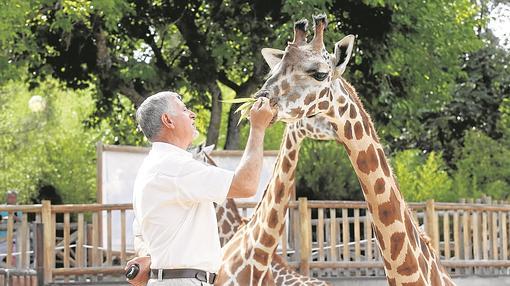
(320, 76)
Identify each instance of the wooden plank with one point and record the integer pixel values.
(305, 247)
(67, 241)
(109, 237)
(284, 241)
(25, 240)
(10, 236)
(456, 235)
(504, 236)
(446, 235)
(494, 238)
(95, 239)
(49, 252)
(320, 233)
(80, 240)
(345, 235)
(466, 235)
(485, 238)
(368, 237)
(90, 208)
(122, 237)
(476, 242)
(357, 236)
(332, 233)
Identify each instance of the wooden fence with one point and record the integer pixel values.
(323, 238)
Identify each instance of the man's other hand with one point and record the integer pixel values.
(142, 278)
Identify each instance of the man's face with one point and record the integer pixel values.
(11, 199)
(184, 121)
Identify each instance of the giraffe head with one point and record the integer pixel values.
(299, 81)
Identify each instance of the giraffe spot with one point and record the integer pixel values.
(230, 216)
(358, 130)
(270, 196)
(286, 165)
(366, 122)
(341, 99)
(273, 218)
(435, 278)
(292, 155)
(367, 160)
(392, 282)
(260, 256)
(226, 228)
(279, 191)
(311, 110)
(309, 98)
(389, 212)
(219, 213)
(379, 186)
(342, 109)
(323, 105)
(387, 265)
(411, 233)
(396, 244)
(348, 130)
(335, 127)
(353, 112)
(409, 266)
(293, 96)
(384, 164)
(288, 143)
(380, 238)
(267, 239)
(297, 112)
(423, 266)
(285, 86)
(330, 95)
(276, 90)
(323, 92)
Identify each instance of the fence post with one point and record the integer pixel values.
(305, 246)
(431, 226)
(47, 241)
(39, 253)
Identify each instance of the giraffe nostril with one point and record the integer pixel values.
(262, 93)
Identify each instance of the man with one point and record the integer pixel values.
(174, 194)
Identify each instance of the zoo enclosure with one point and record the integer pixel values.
(323, 238)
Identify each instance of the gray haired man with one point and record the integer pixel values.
(174, 194)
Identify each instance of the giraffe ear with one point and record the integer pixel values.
(343, 51)
(272, 56)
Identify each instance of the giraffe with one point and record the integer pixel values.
(248, 256)
(305, 80)
(229, 218)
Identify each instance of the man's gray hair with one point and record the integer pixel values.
(148, 115)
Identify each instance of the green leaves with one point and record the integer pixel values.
(244, 108)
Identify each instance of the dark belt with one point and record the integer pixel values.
(201, 275)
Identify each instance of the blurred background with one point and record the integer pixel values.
(433, 74)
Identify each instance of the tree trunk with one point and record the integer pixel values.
(213, 131)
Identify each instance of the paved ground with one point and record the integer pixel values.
(466, 281)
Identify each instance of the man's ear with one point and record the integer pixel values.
(343, 51)
(167, 120)
(272, 56)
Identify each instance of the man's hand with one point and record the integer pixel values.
(261, 114)
(143, 275)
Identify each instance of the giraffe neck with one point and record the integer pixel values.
(408, 256)
(270, 212)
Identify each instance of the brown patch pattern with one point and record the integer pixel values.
(367, 160)
(348, 130)
(384, 164)
(358, 130)
(409, 266)
(389, 212)
(397, 240)
(379, 186)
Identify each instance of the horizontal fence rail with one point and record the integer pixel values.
(325, 239)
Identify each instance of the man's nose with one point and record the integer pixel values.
(193, 115)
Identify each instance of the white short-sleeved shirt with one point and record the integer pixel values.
(173, 204)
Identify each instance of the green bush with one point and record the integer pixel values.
(422, 177)
(325, 173)
(483, 167)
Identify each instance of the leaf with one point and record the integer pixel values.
(239, 100)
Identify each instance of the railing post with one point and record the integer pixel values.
(305, 246)
(39, 253)
(431, 226)
(47, 241)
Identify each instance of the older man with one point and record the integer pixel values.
(174, 194)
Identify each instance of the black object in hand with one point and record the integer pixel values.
(132, 271)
